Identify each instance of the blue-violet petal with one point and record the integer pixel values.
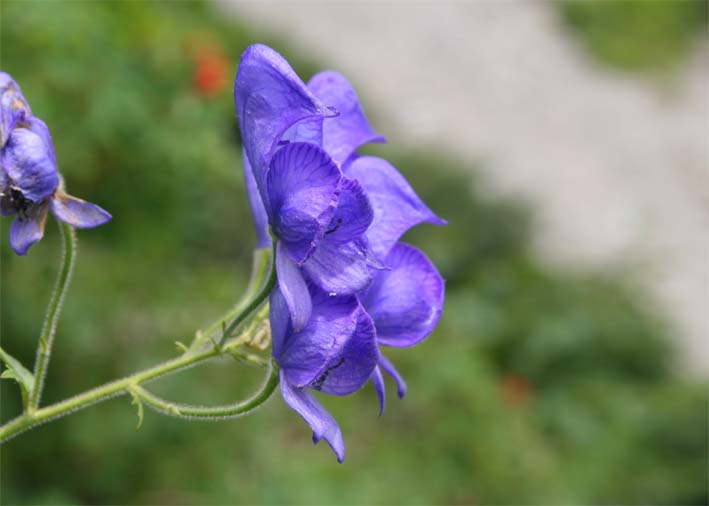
(406, 300)
(353, 215)
(349, 369)
(307, 356)
(321, 422)
(258, 211)
(389, 368)
(293, 288)
(77, 212)
(396, 206)
(344, 133)
(303, 187)
(269, 98)
(25, 231)
(29, 162)
(379, 388)
(13, 106)
(339, 269)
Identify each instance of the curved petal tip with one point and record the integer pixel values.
(321, 422)
(24, 232)
(77, 212)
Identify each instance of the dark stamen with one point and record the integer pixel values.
(337, 225)
(317, 385)
(19, 202)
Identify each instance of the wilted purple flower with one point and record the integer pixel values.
(335, 353)
(29, 181)
(13, 106)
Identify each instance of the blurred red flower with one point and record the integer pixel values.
(211, 73)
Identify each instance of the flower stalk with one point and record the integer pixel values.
(257, 300)
(46, 337)
(190, 412)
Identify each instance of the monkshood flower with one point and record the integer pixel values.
(337, 217)
(335, 353)
(294, 150)
(29, 181)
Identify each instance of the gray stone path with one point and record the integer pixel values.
(616, 167)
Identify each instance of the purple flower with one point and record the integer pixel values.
(294, 148)
(345, 284)
(29, 181)
(335, 353)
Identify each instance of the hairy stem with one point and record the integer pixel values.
(259, 269)
(46, 337)
(131, 384)
(190, 412)
(256, 301)
(121, 387)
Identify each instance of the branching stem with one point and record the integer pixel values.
(121, 387)
(132, 384)
(190, 412)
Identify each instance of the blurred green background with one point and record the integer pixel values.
(646, 36)
(537, 387)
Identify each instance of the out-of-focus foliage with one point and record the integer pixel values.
(643, 35)
(538, 387)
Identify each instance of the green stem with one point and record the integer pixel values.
(256, 301)
(131, 384)
(190, 412)
(126, 385)
(98, 394)
(46, 337)
(259, 267)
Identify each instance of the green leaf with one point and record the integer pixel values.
(181, 347)
(139, 404)
(16, 371)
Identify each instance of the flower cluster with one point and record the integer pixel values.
(30, 185)
(346, 285)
